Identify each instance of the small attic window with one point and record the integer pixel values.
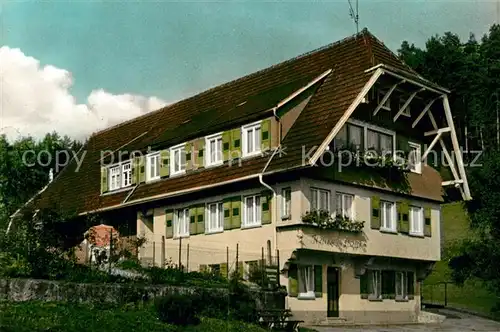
(380, 96)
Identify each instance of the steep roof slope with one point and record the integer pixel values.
(228, 105)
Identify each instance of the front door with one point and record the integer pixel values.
(333, 291)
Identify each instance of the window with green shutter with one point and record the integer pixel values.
(169, 216)
(403, 215)
(265, 202)
(104, 179)
(236, 212)
(199, 152)
(375, 219)
(226, 145)
(142, 169)
(427, 221)
(164, 163)
(226, 204)
(236, 143)
(266, 135)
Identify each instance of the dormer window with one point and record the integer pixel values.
(115, 177)
(153, 166)
(214, 150)
(119, 176)
(251, 139)
(178, 160)
(380, 96)
(126, 174)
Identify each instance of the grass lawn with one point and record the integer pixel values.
(473, 295)
(63, 317)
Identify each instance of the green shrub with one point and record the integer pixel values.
(177, 309)
(212, 304)
(129, 264)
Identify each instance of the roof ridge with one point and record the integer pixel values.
(255, 73)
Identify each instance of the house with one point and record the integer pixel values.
(275, 162)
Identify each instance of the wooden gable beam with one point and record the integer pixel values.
(407, 102)
(386, 97)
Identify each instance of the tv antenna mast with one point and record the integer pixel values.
(354, 13)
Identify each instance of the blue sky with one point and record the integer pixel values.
(172, 50)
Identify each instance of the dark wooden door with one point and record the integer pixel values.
(333, 291)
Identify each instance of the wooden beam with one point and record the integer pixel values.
(434, 141)
(421, 115)
(386, 96)
(451, 182)
(405, 105)
(440, 130)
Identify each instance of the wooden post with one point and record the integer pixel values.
(187, 258)
(237, 252)
(180, 252)
(278, 267)
(154, 253)
(162, 252)
(262, 268)
(227, 263)
(110, 249)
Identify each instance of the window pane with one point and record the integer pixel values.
(257, 138)
(250, 142)
(355, 136)
(213, 152)
(314, 199)
(385, 143)
(219, 150)
(250, 209)
(324, 200)
(372, 140)
(257, 209)
(348, 206)
(182, 153)
(338, 200)
(220, 214)
(341, 138)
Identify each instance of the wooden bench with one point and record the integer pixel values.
(278, 320)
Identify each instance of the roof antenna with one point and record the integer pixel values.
(354, 14)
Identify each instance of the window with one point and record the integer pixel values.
(380, 142)
(214, 150)
(349, 136)
(126, 174)
(344, 205)
(252, 210)
(388, 211)
(320, 199)
(374, 284)
(153, 166)
(286, 199)
(380, 96)
(181, 223)
(416, 220)
(178, 162)
(251, 139)
(306, 281)
(115, 177)
(215, 217)
(401, 287)
(406, 111)
(414, 158)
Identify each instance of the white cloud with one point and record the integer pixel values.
(35, 100)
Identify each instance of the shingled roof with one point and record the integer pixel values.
(226, 106)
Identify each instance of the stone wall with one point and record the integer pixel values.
(45, 290)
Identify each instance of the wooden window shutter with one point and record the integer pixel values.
(293, 282)
(236, 143)
(142, 169)
(134, 169)
(104, 179)
(363, 284)
(427, 221)
(192, 221)
(404, 217)
(265, 129)
(199, 152)
(200, 219)
(169, 217)
(189, 156)
(236, 212)
(400, 216)
(226, 206)
(375, 219)
(164, 163)
(226, 145)
(266, 206)
(318, 280)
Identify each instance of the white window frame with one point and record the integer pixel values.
(383, 226)
(407, 111)
(419, 230)
(319, 190)
(367, 126)
(286, 207)
(113, 183)
(181, 230)
(244, 133)
(126, 168)
(417, 168)
(375, 284)
(208, 150)
(149, 158)
(342, 196)
(219, 217)
(380, 95)
(257, 213)
(401, 288)
(182, 167)
(306, 279)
